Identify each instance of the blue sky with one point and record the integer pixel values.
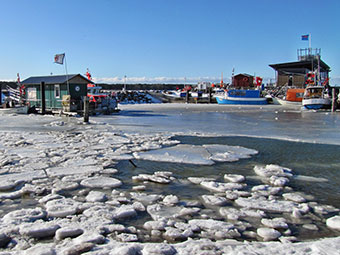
(163, 40)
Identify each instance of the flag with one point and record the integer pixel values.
(305, 37)
(59, 58)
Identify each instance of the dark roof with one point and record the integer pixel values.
(243, 74)
(52, 79)
(306, 64)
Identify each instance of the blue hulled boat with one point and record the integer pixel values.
(241, 96)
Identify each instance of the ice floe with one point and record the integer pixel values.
(194, 154)
(333, 222)
(101, 182)
(268, 234)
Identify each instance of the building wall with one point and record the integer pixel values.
(297, 80)
(33, 94)
(243, 81)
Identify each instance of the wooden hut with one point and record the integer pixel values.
(243, 81)
(55, 92)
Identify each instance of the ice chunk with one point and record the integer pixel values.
(214, 200)
(170, 200)
(161, 212)
(295, 197)
(266, 205)
(333, 222)
(146, 199)
(155, 225)
(124, 211)
(278, 223)
(101, 182)
(96, 196)
(24, 215)
(63, 171)
(268, 234)
(152, 178)
(266, 190)
(270, 170)
(127, 237)
(39, 229)
(198, 180)
(220, 186)
(62, 207)
(194, 154)
(173, 234)
(188, 154)
(234, 177)
(234, 214)
(226, 153)
(7, 184)
(65, 232)
(41, 249)
(159, 249)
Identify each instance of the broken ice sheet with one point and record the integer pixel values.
(195, 154)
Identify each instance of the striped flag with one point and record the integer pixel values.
(305, 37)
(59, 58)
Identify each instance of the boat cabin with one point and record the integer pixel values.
(60, 91)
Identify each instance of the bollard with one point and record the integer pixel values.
(42, 94)
(86, 109)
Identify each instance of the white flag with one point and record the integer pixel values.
(59, 58)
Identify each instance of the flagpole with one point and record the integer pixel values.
(310, 40)
(68, 86)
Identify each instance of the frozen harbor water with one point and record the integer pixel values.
(69, 188)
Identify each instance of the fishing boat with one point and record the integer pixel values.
(99, 102)
(293, 96)
(174, 94)
(14, 103)
(315, 98)
(241, 96)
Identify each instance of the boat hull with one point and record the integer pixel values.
(14, 110)
(316, 103)
(246, 101)
(286, 102)
(246, 97)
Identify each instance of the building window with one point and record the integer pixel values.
(31, 93)
(57, 91)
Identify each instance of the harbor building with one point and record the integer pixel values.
(243, 80)
(295, 73)
(56, 92)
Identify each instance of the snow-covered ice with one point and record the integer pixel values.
(59, 183)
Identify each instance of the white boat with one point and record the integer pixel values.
(315, 98)
(174, 94)
(293, 97)
(14, 110)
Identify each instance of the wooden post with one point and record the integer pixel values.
(210, 95)
(187, 97)
(333, 100)
(86, 109)
(43, 102)
(0, 93)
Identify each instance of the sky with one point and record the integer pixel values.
(163, 41)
